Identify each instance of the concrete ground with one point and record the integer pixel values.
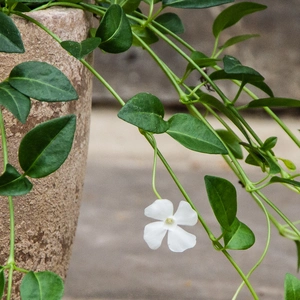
(110, 259)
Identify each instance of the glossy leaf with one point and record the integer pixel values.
(222, 198)
(232, 14)
(232, 142)
(41, 81)
(170, 21)
(114, 30)
(146, 112)
(41, 286)
(194, 134)
(269, 143)
(291, 287)
(237, 39)
(239, 237)
(275, 179)
(143, 33)
(12, 183)
(274, 102)
(234, 66)
(130, 6)
(14, 101)
(80, 50)
(10, 38)
(45, 148)
(2, 283)
(194, 3)
(220, 74)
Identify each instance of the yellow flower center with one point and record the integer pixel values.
(169, 221)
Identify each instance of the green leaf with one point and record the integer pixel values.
(80, 50)
(219, 75)
(232, 142)
(289, 164)
(201, 60)
(275, 179)
(130, 6)
(146, 112)
(2, 282)
(222, 198)
(170, 21)
(194, 134)
(232, 14)
(291, 287)
(274, 102)
(114, 30)
(143, 33)
(10, 38)
(41, 286)
(237, 39)
(12, 183)
(14, 101)
(41, 81)
(269, 143)
(45, 148)
(194, 3)
(239, 237)
(234, 66)
(298, 255)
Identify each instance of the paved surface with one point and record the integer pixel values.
(111, 261)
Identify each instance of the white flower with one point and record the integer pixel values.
(178, 239)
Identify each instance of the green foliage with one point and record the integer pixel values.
(80, 50)
(222, 198)
(170, 21)
(274, 102)
(194, 134)
(41, 81)
(231, 15)
(12, 183)
(194, 3)
(146, 112)
(114, 31)
(237, 39)
(14, 101)
(45, 148)
(10, 38)
(291, 287)
(41, 286)
(2, 282)
(232, 142)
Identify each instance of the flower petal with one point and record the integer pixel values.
(154, 234)
(185, 215)
(159, 209)
(179, 240)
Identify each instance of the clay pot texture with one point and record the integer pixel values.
(46, 218)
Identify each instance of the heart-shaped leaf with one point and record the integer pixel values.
(194, 134)
(232, 14)
(194, 3)
(12, 183)
(14, 101)
(291, 287)
(41, 286)
(45, 148)
(146, 112)
(41, 81)
(114, 30)
(80, 50)
(170, 21)
(222, 198)
(239, 237)
(10, 38)
(274, 102)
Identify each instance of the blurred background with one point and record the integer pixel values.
(110, 259)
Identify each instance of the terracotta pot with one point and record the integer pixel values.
(46, 218)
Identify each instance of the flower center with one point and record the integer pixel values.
(169, 221)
